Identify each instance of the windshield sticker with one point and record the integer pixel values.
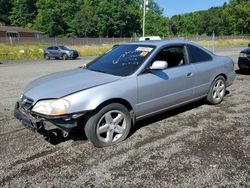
(143, 54)
(145, 49)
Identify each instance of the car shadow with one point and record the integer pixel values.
(165, 115)
(243, 72)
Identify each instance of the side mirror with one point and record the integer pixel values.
(159, 65)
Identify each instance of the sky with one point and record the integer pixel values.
(172, 7)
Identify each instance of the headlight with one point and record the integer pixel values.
(243, 55)
(52, 107)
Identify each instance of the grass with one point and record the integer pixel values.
(224, 43)
(92, 50)
(29, 52)
(32, 51)
(20, 52)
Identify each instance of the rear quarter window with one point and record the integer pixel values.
(197, 55)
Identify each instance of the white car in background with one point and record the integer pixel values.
(150, 38)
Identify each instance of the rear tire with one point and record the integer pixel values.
(217, 91)
(109, 125)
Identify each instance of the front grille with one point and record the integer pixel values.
(26, 102)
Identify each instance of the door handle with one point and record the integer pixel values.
(189, 74)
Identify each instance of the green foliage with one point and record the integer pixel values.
(23, 12)
(56, 18)
(156, 24)
(5, 7)
(86, 20)
(118, 17)
(231, 19)
(122, 18)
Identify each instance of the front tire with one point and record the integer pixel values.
(47, 57)
(217, 91)
(109, 125)
(64, 57)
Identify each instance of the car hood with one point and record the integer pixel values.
(60, 84)
(72, 51)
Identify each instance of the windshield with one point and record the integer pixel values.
(122, 60)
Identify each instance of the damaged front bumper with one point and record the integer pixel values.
(37, 122)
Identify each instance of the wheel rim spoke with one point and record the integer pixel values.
(218, 95)
(119, 129)
(118, 119)
(108, 118)
(110, 135)
(215, 95)
(222, 87)
(103, 129)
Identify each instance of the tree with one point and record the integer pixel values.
(23, 12)
(230, 19)
(56, 18)
(5, 7)
(86, 20)
(156, 23)
(118, 17)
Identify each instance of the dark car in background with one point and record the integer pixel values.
(60, 52)
(244, 59)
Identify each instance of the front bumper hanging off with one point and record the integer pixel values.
(37, 122)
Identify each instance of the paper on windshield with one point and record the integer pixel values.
(144, 49)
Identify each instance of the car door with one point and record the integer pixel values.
(204, 69)
(53, 51)
(57, 52)
(161, 89)
(50, 51)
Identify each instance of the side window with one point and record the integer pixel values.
(197, 55)
(50, 48)
(56, 48)
(175, 56)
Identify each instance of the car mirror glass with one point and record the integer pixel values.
(159, 65)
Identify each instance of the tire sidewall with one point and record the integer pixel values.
(64, 57)
(93, 119)
(47, 57)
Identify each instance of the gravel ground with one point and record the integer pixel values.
(193, 146)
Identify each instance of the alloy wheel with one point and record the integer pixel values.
(111, 126)
(219, 90)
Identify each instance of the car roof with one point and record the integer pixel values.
(159, 43)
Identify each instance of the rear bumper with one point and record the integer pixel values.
(244, 63)
(36, 122)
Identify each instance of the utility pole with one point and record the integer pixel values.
(145, 4)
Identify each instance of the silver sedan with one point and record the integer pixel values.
(128, 83)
